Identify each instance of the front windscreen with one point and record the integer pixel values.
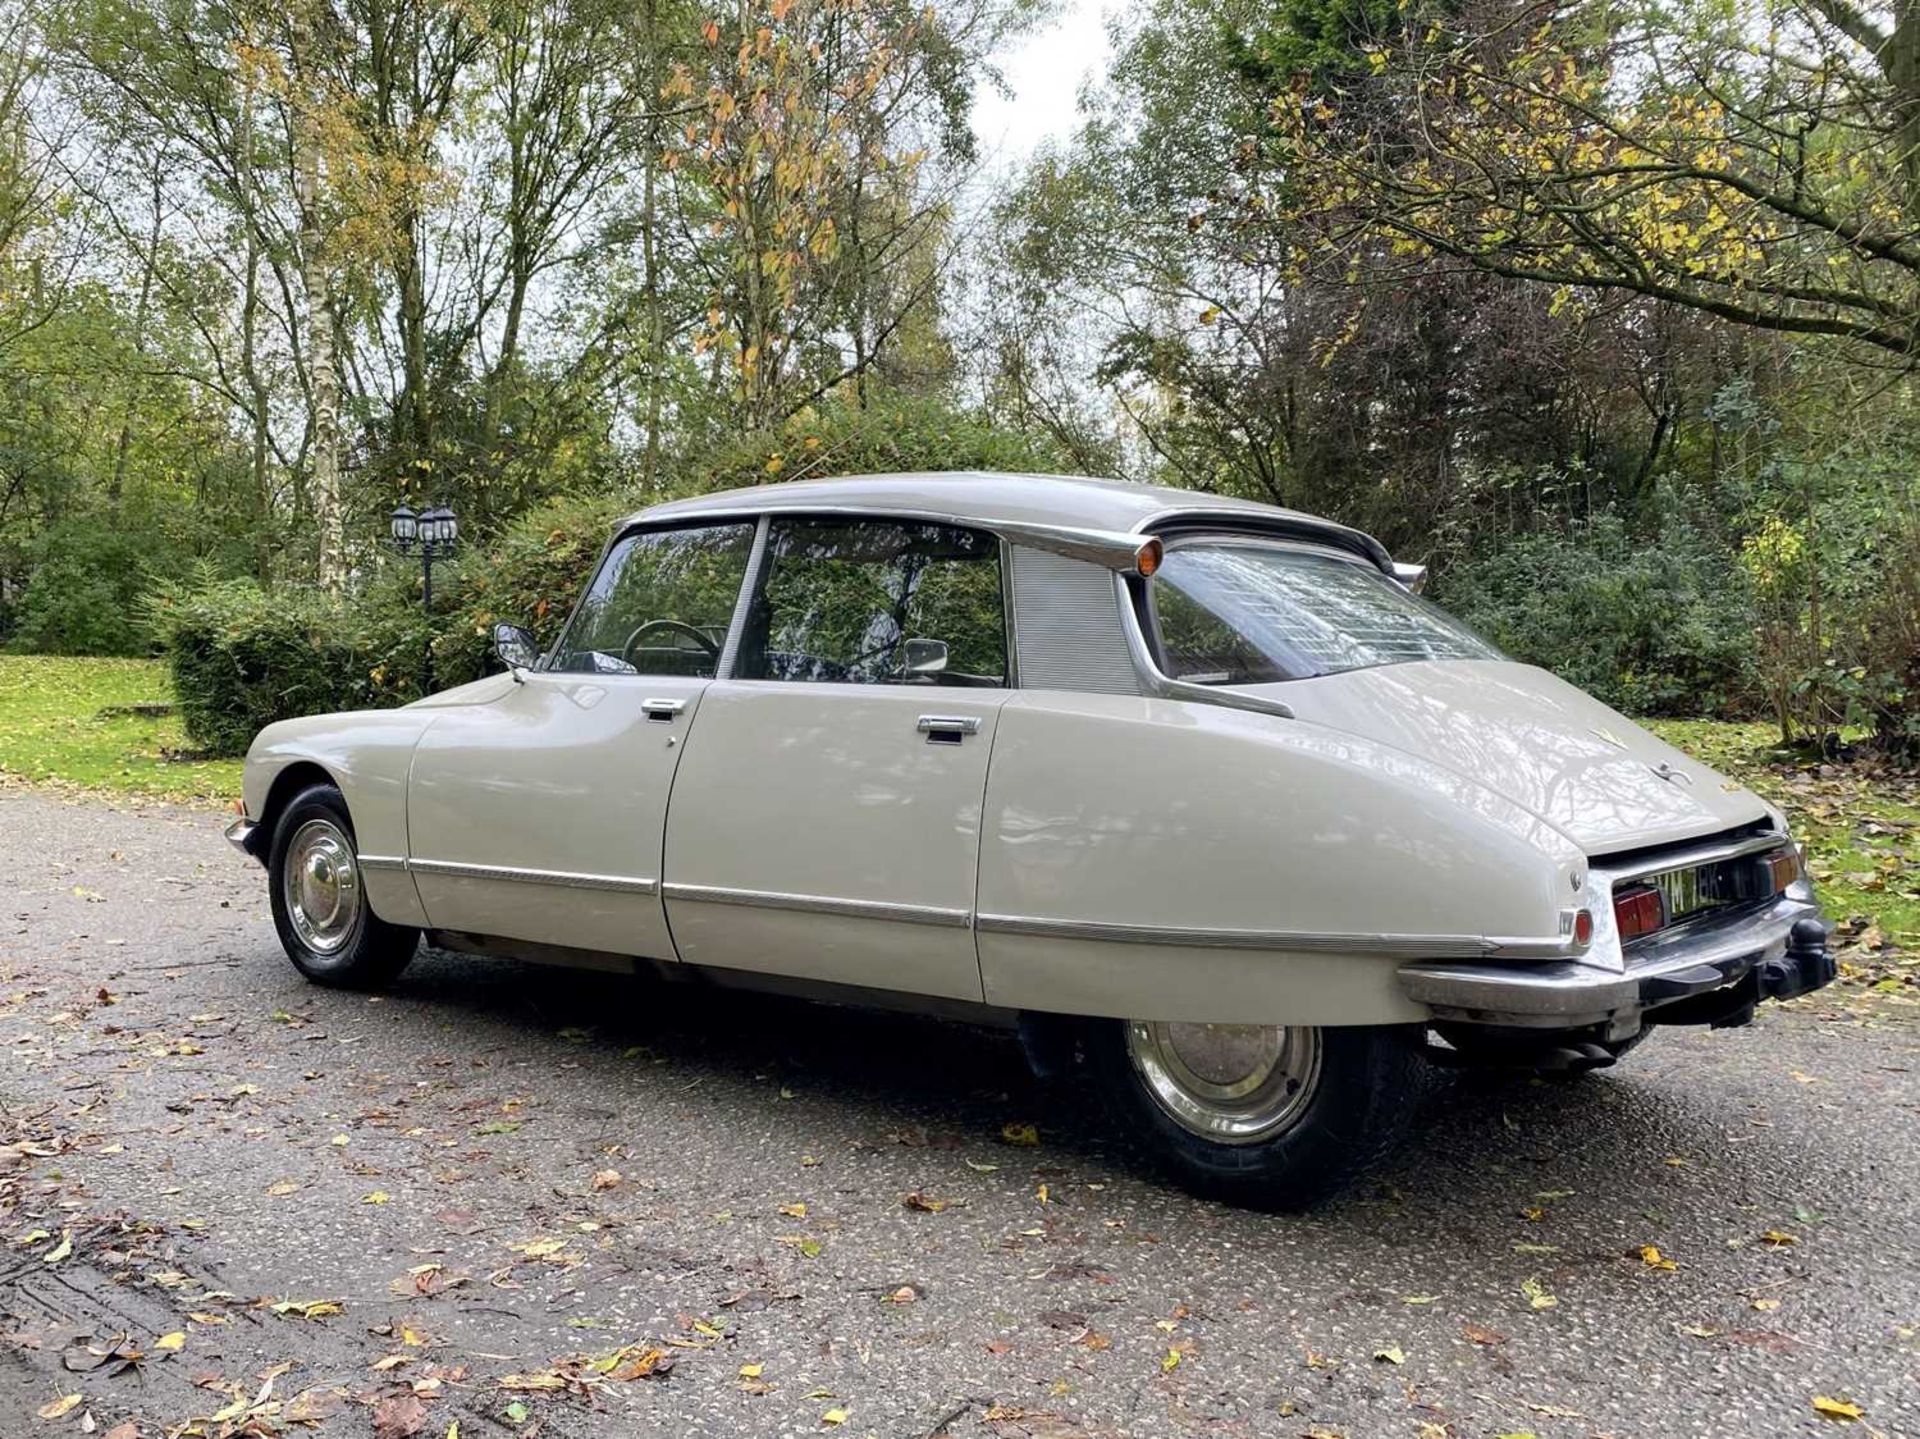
(1233, 613)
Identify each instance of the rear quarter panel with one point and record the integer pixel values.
(1336, 852)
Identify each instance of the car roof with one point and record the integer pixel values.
(986, 497)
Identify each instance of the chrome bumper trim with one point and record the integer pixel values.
(1692, 959)
(241, 835)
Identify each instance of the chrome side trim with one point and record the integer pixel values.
(1386, 946)
(821, 904)
(383, 862)
(566, 879)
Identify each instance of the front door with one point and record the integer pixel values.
(826, 817)
(540, 815)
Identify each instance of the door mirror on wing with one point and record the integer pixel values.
(925, 657)
(515, 647)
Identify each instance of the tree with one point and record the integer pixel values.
(1760, 164)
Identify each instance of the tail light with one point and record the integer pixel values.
(1638, 911)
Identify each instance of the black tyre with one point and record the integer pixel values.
(1267, 1116)
(319, 898)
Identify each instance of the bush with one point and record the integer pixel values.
(1663, 628)
(242, 658)
(83, 596)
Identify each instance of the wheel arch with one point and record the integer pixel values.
(301, 774)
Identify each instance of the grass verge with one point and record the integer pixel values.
(66, 721)
(1861, 826)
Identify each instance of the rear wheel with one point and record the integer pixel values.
(319, 898)
(1275, 1116)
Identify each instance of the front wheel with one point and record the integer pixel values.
(1273, 1116)
(319, 899)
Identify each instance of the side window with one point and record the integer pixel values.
(879, 602)
(661, 604)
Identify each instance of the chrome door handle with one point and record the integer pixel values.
(657, 709)
(948, 729)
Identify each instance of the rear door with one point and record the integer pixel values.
(826, 817)
(540, 816)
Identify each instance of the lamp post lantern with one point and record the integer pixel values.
(432, 534)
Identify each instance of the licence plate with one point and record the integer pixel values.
(1686, 892)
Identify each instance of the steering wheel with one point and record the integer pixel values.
(698, 636)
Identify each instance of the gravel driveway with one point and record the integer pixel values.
(522, 1200)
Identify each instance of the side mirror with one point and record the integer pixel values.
(925, 657)
(515, 647)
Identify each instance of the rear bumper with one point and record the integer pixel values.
(1709, 974)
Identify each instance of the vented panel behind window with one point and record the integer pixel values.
(1067, 625)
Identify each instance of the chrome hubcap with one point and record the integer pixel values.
(321, 883)
(1230, 1083)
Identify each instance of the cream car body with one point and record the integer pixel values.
(1432, 843)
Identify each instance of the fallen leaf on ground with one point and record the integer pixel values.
(1480, 1334)
(834, 1417)
(59, 1408)
(1840, 1409)
(1779, 1238)
(1538, 1295)
(1651, 1256)
(1392, 1354)
(398, 1417)
(309, 1308)
(1021, 1134)
(925, 1203)
(606, 1178)
(172, 1341)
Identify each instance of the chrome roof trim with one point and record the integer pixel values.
(1115, 549)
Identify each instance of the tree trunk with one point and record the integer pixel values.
(325, 379)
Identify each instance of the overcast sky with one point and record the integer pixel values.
(1046, 72)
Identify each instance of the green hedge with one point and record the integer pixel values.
(242, 657)
(1660, 627)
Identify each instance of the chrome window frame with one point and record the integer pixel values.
(545, 663)
(760, 565)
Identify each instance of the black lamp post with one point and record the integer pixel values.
(432, 535)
